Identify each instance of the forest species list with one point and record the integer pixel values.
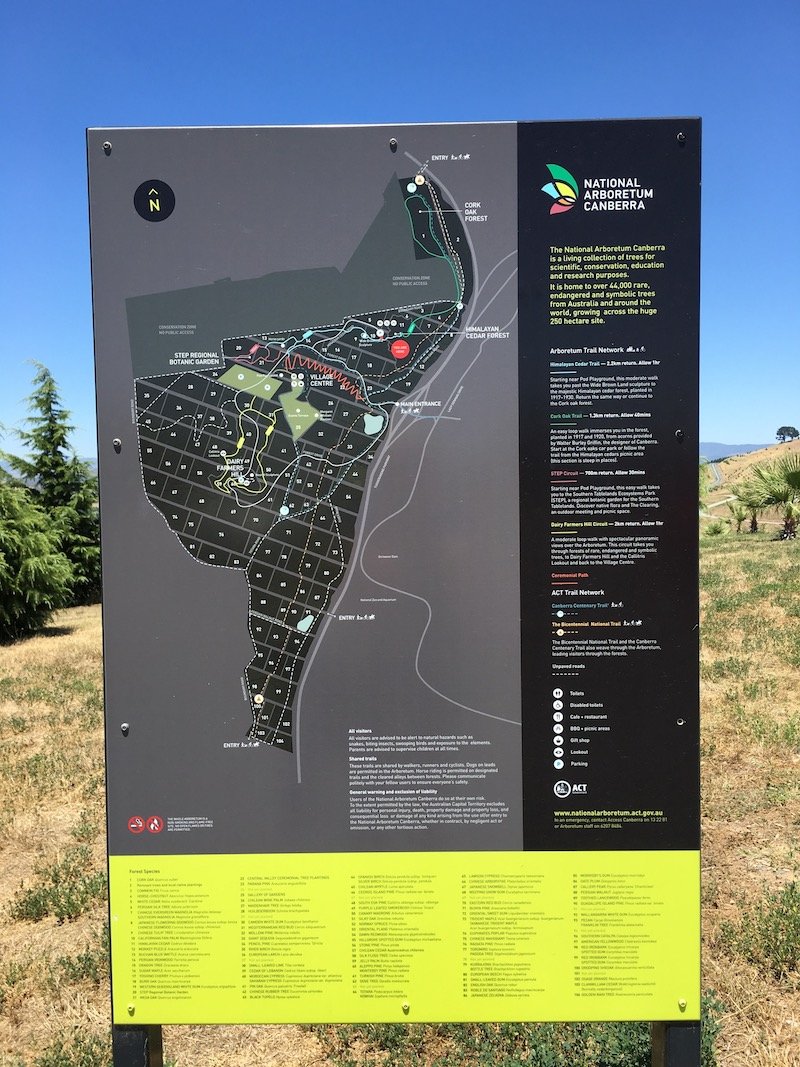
(403, 936)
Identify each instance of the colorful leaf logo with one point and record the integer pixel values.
(563, 189)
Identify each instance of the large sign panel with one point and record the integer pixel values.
(398, 466)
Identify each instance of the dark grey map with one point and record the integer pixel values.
(311, 516)
(260, 464)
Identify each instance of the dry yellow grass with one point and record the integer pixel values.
(51, 802)
(750, 604)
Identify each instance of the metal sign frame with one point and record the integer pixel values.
(367, 397)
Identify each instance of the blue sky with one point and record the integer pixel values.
(67, 66)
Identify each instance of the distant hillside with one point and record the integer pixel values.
(715, 450)
(733, 470)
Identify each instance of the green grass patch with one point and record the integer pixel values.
(90, 965)
(53, 768)
(768, 933)
(790, 646)
(11, 975)
(784, 733)
(9, 750)
(766, 731)
(779, 794)
(86, 829)
(729, 602)
(730, 667)
(504, 1044)
(65, 889)
(711, 579)
(489, 1044)
(78, 1049)
(758, 569)
(63, 684)
(789, 601)
(760, 689)
(94, 785)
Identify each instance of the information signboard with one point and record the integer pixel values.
(398, 469)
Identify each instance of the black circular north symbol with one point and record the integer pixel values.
(154, 200)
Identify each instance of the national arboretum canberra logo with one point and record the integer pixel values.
(563, 189)
(607, 193)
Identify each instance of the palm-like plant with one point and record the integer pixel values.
(750, 502)
(738, 513)
(775, 485)
(791, 516)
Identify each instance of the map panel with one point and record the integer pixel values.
(261, 465)
(323, 408)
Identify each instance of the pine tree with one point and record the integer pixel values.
(62, 485)
(35, 577)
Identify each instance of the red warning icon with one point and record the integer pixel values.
(155, 824)
(136, 824)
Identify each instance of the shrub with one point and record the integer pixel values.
(35, 576)
(714, 529)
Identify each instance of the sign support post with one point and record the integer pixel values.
(137, 1046)
(675, 1044)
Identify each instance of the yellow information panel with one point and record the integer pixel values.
(368, 937)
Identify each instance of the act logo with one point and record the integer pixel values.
(563, 189)
(562, 789)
